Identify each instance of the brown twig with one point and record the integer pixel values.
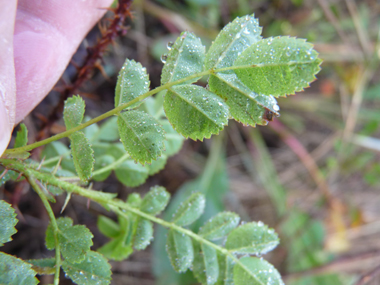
(333, 20)
(348, 264)
(304, 156)
(368, 276)
(91, 62)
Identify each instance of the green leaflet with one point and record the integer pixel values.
(153, 203)
(219, 226)
(75, 240)
(43, 266)
(131, 174)
(256, 271)
(252, 238)
(144, 234)
(180, 250)
(101, 162)
(278, 66)
(22, 136)
(93, 270)
(174, 141)
(120, 246)
(134, 200)
(108, 227)
(73, 112)
(9, 175)
(15, 271)
(83, 155)
(108, 131)
(7, 222)
(123, 234)
(153, 105)
(132, 82)
(185, 58)
(157, 165)
(195, 112)
(155, 200)
(116, 249)
(245, 105)
(226, 270)
(58, 149)
(142, 136)
(231, 41)
(205, 265)
(189, 210)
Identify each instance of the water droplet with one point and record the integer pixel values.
(169, 45)
(164, 57)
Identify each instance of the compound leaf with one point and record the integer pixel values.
(144, 234)
(75, 240)
(132, 82)
(195, 112)
(219, 226)
(22, 136)
(185, 58)
(15, 271)
(252, 238)
(7, 222)
(73, 112)
(278, 66)
(245, 105)
(205, 265)
(93, 270)
(131, 174)
(142, 136)
(83, 155)
(189, 210)
(180, 250)
(255, 271)
(155, 200)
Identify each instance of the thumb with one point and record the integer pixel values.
(7, 72)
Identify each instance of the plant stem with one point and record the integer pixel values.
(115, 204)
(104, 116)
(53, 221)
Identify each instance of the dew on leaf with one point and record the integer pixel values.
(169, 45)
(164, 57)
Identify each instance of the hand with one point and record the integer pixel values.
(36, 44)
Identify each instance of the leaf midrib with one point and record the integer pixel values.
(194, 106)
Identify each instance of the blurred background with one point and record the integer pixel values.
(312, 174)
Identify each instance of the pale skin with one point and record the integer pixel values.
(37, 41)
